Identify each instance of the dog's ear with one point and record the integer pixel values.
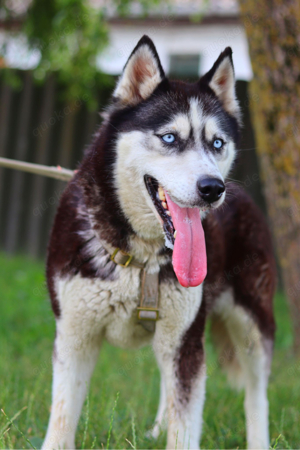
(221, 80)
(141, 75)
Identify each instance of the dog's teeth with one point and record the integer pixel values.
(175, 233)
(168, 212)
(164, 205)
(161, 194)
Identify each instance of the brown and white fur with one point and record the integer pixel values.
(107, 202)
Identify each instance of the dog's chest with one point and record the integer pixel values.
(107, 306)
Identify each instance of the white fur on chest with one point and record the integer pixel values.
(109, 308)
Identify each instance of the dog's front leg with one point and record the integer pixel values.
(178, 344)
(74, 357)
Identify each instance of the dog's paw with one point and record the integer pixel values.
(154, 432)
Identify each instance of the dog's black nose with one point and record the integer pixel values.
(210, 189)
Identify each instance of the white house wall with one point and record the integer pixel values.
(206, 40)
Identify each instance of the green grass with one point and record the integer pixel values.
(125, 387)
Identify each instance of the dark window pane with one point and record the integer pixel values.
(183, 66)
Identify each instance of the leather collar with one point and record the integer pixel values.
(148, 308)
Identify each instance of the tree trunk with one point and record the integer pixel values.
(273, 31)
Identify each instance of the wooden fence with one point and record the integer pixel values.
(35, 126)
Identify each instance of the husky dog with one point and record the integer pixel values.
(149, 188)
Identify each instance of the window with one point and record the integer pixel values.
(184, 66)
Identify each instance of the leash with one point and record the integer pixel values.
(147, 311)
(48, 171)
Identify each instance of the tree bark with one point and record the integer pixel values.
(273, 31)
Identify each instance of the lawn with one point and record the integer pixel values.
(123, 396)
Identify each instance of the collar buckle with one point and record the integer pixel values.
(145, 313)
(122, 262)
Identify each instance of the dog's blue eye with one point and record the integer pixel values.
(168, 138)
(218, 143)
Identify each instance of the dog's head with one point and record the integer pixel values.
(175, 145)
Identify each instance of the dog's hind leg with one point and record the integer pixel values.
(160, 422)
(246, 355)
(178, 345)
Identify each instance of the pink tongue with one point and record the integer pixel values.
(189, 254)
